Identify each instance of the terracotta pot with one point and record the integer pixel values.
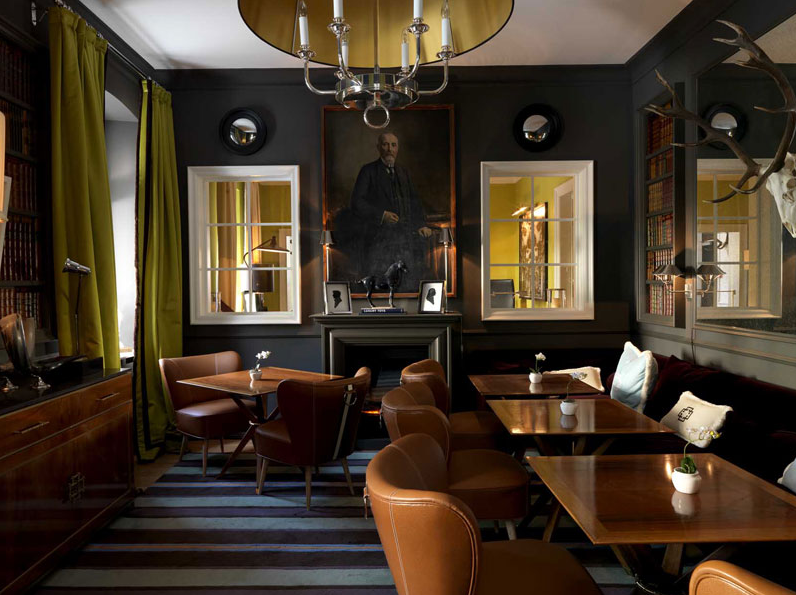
(687, 483)
(535, 378)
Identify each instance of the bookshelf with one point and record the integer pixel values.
(23, 280)
(661, 217)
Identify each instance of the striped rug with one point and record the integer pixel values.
(209, 536)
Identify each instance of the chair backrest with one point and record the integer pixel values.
(717, 577)
(431, 373)
(501, 293)
(173, 369)
(410, 409)
(313, 412)
(431, 539)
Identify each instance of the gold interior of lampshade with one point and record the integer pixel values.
(473, 22)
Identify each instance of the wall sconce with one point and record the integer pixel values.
(327, 239)
(707, 273)
(666, 274)
(446, 239)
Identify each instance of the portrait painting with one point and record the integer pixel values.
(337, 298)
(387, 195)
(533, 249)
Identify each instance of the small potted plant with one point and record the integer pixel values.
(570, 406)
(536, 373)
(256, 373)
(686, 477)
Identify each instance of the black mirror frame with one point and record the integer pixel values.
(735, 112)
(229, 118)
(556, 127)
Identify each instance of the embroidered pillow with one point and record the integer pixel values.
(788, 478)
(691, 412)
(592, 376)
(635, 377)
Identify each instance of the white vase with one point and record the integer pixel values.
(568, 407)
(687, 483)
(535, 378)
(255, 374)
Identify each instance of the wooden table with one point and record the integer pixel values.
(518, 385)
(239, 386)
(628, 502)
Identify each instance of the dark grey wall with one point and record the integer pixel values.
(594, 103)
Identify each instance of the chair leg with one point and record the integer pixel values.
(308, 484)
(262, 468)
(183, 446)
(344, 463)
(511, 529)
(205, 446)
(221, 444)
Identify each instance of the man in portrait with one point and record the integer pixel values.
(391, 215)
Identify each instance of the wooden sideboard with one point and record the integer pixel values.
(66, 466)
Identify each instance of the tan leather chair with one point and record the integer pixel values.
(307, 433)
(432, 541)
(203, 413)
(492, 484)
(469, 429)
(722, 578)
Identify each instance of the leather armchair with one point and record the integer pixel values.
(469, 429)
(492, 484)
(200, 412)
(418, 522)
(309, 429)
(722, 578)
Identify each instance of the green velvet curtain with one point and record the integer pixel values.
(158, 331)
(82, 228)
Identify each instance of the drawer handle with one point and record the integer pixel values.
(35, 426)
(107, 397)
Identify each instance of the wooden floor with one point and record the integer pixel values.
(148, 473)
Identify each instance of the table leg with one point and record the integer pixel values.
(255, 419)
(646, 568)
(552, 522)
(673, 559)
(536, 508)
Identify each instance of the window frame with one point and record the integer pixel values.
(198, 217)
(582, 174)
(719, 167)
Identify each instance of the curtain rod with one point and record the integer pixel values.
(36, 17)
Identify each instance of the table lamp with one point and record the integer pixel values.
(446, 239)
(81, 270)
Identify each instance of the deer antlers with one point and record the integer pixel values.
(757, 60)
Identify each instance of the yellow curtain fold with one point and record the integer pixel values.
(158, 330)
(82, 227)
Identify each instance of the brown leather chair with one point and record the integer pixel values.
(492, 484)
(469, 429)
(203, 413)
(722, 578)
(309, 429)
(432, 541)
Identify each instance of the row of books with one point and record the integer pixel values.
(22, 251)
(659, 133)
(656, 258)
(20, 133)
(660, 164)
(25, 302)
(16, 78)
(660, 301)
(660, 230)
(660, 195)
(23, 184)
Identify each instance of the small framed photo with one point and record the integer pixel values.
(431, 298)
(337, 297)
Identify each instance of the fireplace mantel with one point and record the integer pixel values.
(440, 333)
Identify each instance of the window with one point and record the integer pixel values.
(741, 236)
(244, 231)
(536, 240)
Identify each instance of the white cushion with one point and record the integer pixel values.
(788, 478)
(691, 412)
(635, 377)
(592, 376)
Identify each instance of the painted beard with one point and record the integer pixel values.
(389, 160)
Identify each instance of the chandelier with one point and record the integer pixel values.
(364, 38)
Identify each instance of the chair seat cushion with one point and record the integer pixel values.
(272, 441)
(527, 565)
(476, 429)
(213, 419)
(493, 484)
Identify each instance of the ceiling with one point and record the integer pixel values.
(211, 34)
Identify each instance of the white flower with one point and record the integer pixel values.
(264, 355)
(540, 357)
(578, 375)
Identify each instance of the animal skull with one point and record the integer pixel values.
(782, 186)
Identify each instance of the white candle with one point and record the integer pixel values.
(404, 54)
(419, 9)
(446, 32)
(345, 52)
(338, 9)
(304, 31)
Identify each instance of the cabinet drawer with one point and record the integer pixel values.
(28, 426)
